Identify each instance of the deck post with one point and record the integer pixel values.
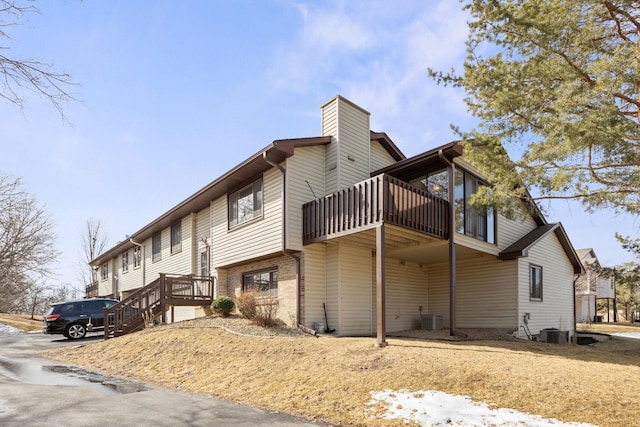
(163, 284)
(380, 285)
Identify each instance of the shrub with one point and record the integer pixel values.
(223, 305)
(246, 304)
(266, 311)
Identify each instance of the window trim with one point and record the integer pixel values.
(257, 194)
(469, 224)
(270, 292)
(104, 271)
(204, 263)
(137, 257)
(156, 247)
(532, 268)
(176, 237)
(124, 263)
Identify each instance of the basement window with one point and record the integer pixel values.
(264, 282)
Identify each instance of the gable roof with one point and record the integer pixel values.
(276, 152)
(521, 247)
(429, 161)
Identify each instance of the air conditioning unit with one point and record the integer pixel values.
(554, 336)
(431, 322)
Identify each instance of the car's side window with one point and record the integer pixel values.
(109, 304)
(67, 308)
(92, 306)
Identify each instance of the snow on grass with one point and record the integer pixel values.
(635, 335)
(436, 408)
(9, 330)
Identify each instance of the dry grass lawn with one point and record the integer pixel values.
(21, 321)
(331, 378)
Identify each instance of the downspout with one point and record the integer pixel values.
(452, 247)
(144, 278)
(283, 173)
(574, 339)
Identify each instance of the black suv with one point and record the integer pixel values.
(74, 318)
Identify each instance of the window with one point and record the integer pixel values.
(125, 262)
(473, 221)
(436, 183)
(156, 247)
(535, 282)
(246, 204)
(104, 271)
(137, 256)
(265, 282)
(176, 238)
(204, 264)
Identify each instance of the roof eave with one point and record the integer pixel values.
(253, 166)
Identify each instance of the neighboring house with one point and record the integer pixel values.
(592, 286)
(344, 220)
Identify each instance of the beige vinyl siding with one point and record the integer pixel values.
(485, 290)
(478, 245)
(406, 290)
(177, 263)
(355, 290)
(332, 296)
(330, 128)
(202, 232)
(314, 285)
(259, 237)
(556, 308)
(305, 182)
(133, 279)
(379, 157)
(349, 125)
(511, 230)
(354, 142)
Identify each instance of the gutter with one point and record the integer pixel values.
(283, 173)
(144, 278)
(452, 247)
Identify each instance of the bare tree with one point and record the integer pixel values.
(20, 75)
(26, 243)
(94, 242)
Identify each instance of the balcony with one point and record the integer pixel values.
(371, 202)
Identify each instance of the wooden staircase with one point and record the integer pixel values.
(151, 302)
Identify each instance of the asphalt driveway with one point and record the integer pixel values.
(35, 391)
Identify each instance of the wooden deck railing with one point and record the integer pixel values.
(91, 290)
(370, 202)
(151, 301)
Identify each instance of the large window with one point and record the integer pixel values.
(535, 282)
(176, 238)
(245, 204)
(156, 247)
(474, 221)
(265, 282)
(436, 183)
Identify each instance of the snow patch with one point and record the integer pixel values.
(9, 330)
(436, 408)
(635, 335)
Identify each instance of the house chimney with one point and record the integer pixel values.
(347, 157)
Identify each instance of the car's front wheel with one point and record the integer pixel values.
(76, 331)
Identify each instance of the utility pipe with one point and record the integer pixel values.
(283, 173)
(452, 247)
